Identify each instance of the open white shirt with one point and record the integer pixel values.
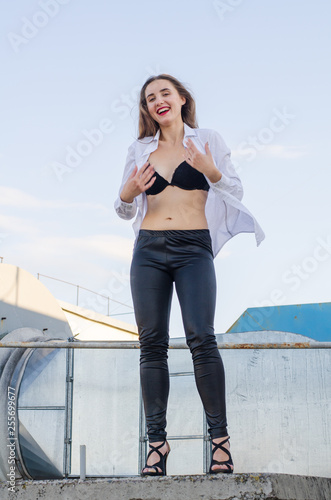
(226, 215)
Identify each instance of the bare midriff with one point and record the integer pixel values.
(176, 208)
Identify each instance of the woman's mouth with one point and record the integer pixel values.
(163, 111)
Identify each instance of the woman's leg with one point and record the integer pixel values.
(151, 288)
(196, 290)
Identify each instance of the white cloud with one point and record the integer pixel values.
(12, 197)
(285, 152)
(103, 245)
(11, 224)
(270, 150)
(110, 246)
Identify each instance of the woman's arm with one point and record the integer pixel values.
(216, 165)
(123, 209)
(134, 182)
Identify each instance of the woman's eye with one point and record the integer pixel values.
(151, 99)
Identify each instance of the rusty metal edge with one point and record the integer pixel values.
(135, 345)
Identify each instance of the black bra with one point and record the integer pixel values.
(184, 177)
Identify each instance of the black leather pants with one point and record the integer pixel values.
(184, 257)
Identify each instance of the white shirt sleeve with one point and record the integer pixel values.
(230, 182)
(127, 210)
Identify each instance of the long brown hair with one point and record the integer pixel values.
(148, 126)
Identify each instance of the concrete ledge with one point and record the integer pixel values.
(216, 487)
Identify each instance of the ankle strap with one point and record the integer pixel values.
(157, 447)
(219, 445)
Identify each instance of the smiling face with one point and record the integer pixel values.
(164, 103)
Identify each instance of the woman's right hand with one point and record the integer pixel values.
(138, 182)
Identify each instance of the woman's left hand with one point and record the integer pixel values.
(204, 163)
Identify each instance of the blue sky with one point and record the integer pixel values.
(260, 74)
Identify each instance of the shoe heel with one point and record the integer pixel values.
(165, 462)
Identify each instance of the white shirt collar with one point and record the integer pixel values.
(188, 131)
(153, 144)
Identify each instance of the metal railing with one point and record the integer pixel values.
(78, 288)
(60, 344)
(143, 439)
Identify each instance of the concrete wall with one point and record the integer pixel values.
(215, 487)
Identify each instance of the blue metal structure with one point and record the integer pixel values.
(310, 320)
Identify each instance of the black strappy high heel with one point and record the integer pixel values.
(228, 462)
(161, 464)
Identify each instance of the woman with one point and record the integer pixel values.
(181, 180)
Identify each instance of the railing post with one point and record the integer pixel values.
(68, 411)
(82, 462)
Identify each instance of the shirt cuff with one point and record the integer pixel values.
(224, 183)
(125, 210)
(126, 206)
